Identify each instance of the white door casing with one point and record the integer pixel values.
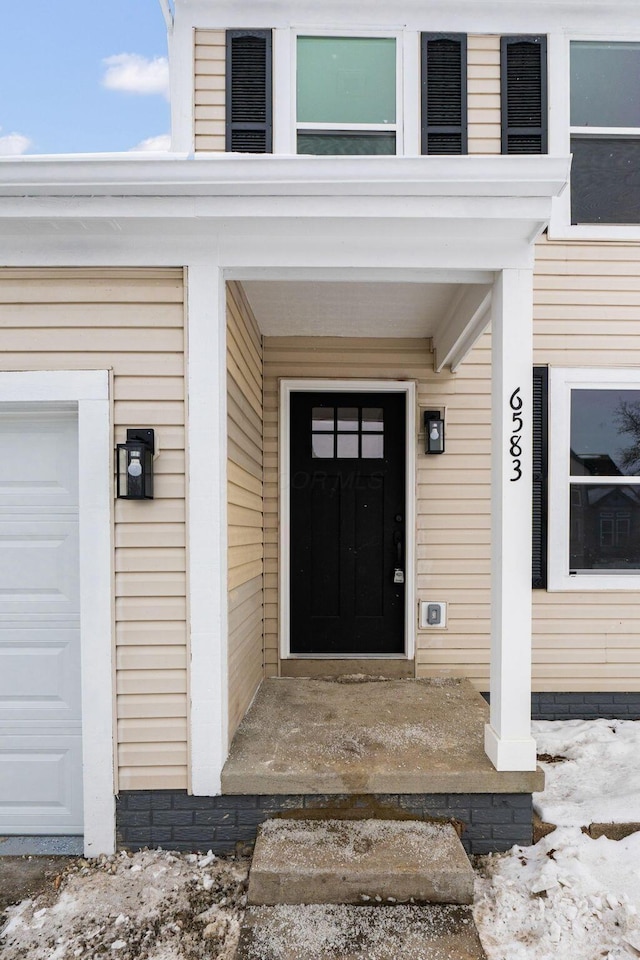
(56, 687)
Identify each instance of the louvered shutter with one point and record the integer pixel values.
(249, 91)
(539, 498)
(523, 71)
(444, 93)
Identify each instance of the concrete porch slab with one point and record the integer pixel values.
(366, 736)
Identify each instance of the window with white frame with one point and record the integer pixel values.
(346, 95)
(594, 493)
(605, 132)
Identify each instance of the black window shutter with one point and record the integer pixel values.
(249, 89)
(523, 72)
(540, 438)
(444, 93)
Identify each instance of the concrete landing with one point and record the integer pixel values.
(366, 736)
(356, 861)
(434, 932)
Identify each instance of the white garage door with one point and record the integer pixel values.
(40, 710)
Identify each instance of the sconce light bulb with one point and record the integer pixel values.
(135, 468)
(434, 435)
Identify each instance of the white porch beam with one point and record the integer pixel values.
(462, 325)
(207, 544)
(508, 740)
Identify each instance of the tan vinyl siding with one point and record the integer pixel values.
(245, 509)
(130, 321)
(587, 314)
(483, 84)
(452, 518)
(209, 92)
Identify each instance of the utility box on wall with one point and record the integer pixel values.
(433, 613)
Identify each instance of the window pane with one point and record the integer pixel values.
(322, 418)
(605, 433)
(322, 445)
(372, 418)
(605, 180)
(347, 144)
(346, 80)
(347, 418)
(373, 446)
(605, 79)
(605, 528)
(347, 446)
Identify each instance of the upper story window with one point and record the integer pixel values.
(346, 95)
(605, 132)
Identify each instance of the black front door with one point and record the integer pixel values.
(347, 523)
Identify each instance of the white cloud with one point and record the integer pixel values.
(159, 144)
(132, 73)
(14, 144)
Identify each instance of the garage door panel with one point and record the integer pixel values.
(40, 688)
(39, 674)
(38, 560)
(39, 465)
(38, 783)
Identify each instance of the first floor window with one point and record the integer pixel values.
(594, 508)
(346, 95)
(605, 132)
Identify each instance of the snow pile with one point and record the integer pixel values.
(152, 905)
(600, 780)
(567, 898)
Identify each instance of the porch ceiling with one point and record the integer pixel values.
(452, 315)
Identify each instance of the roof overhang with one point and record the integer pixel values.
(451, 221)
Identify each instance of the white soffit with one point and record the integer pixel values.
(342, 309)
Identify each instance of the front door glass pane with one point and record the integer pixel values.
(346, 80)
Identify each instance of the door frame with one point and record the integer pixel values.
(89, 390)
(287, 387)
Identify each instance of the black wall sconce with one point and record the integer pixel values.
(433, 431)
(134, 465)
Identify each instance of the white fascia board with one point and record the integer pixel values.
(247, 246)
(497, 16)
(174, 175)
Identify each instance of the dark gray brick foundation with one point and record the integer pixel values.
(584, 706)
(226, 824)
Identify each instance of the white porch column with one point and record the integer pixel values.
(207, 538)
(508, 740)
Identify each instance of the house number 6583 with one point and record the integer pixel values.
(515, 448)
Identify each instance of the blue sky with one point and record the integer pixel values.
(81, 76)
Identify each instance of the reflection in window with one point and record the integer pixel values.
(347, 433)
(605, 433)
(605, 445)
(605, 528)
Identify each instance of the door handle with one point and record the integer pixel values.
(398, 573)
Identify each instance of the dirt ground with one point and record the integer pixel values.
(22, 877)
(153, 905)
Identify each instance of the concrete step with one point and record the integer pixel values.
(359, 862)
(332, 932)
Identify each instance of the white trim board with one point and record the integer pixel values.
(89, 389)
(287, 387)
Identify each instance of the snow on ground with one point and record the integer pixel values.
(600, 783)
(569, 897)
